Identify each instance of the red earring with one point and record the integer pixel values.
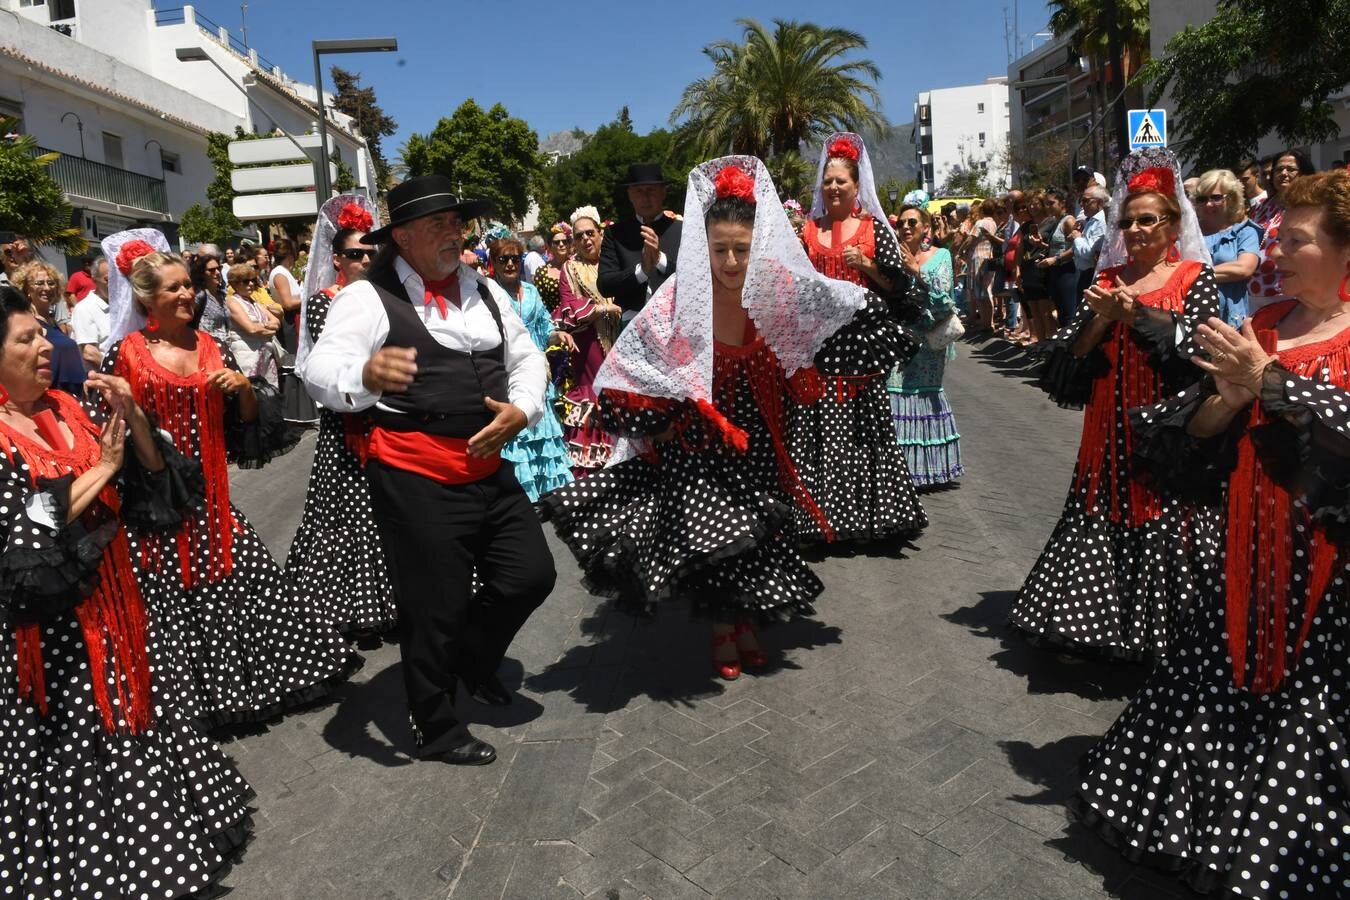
(1173, 254)
(4, 395)
(152, 324)
(1344, 291)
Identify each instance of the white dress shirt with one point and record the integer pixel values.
(662, 264)
(89, 323)
(1086, 245)
(356, 327)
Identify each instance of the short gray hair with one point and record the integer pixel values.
(537, 243)
(97, 261)
(209, 250)
(1096, 192)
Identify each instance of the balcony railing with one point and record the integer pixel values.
(96, 181)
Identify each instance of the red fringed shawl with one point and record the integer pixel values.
(1262, 519)
(1129, 381)
(175, 399)
(829, 261)
(112, 618)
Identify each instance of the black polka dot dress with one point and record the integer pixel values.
(845, 444)
(1244, 788)
(335, 561)
(91, 806)
(697, 521)
(1117, 574)
(240, 644)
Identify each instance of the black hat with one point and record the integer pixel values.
(644, 173)
(422, 196)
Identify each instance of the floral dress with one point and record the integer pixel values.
(924, 425)
(845, 445)
(588, 445)
(1118, 572)
(1231, 765)
(335, 561)
(241, 646)
(106, 788)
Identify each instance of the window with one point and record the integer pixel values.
(169, 162)
(112, 150)
(61, 9)
(24, 4)
(981, 138)
(12, 109)
(980, 109)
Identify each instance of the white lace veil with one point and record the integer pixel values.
(124, 314)
(320, 273)
(1191, 241)
(867, 185)
(667, 350)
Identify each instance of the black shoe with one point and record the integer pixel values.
(472, 752)
(491, 691)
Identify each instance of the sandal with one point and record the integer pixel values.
(729, 670)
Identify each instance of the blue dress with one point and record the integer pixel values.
(539, 452)
(924, 425)
(68, 371)
(1225, 246)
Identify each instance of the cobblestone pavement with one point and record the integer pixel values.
(902, 745)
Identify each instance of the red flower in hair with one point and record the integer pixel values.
(732, 182)
(130, 252)
(353, 216)
(842, 148)
(1158, 180)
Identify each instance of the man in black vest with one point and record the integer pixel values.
(638, 253)
(445, 372)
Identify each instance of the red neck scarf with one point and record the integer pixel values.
(436, 292)
(112, 617)
(1129, 382)
(175, 399)
(830, 260)
(1262, 518)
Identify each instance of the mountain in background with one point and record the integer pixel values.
(892, 154)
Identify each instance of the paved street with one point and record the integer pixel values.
(902, 745)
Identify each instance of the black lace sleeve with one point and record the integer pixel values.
(633, 416)
(1170, 337)
(156, 501)
(871, 342)
(1308, 445)
(1068, 379)
(1176, 462)
(47, 565)
(252, 445)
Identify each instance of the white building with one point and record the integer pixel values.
(99, 82)
(1062, 112)
(954, 127)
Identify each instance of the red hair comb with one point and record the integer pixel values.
(1158, 180)
(842, 148)
(130, 252)
(354, 216)
(732, 182)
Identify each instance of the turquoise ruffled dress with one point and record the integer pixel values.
(539, 453)
(924, 425)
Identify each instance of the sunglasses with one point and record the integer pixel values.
(561, 242)
(509, 258)
(582, 235)
(354, 254)
(211, 270)
(1211, 198)
(910, 223)
(1147, 220)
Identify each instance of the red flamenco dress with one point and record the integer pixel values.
(1231, 765)
(1116, 575)
(845, 445)
(246, 647)
(106, 789)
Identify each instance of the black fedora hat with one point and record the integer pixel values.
(643, 173)
(422, 196)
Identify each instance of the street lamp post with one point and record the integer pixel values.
(893, 193)
(79, 125)
(356, 45)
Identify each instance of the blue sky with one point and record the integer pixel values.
(563, 65)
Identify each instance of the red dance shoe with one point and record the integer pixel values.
(753, 658)
(730, 670)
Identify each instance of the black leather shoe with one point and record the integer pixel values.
(472, 752)
(492, 692)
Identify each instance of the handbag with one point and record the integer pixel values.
(940, 336)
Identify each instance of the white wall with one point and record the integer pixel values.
(957, 122)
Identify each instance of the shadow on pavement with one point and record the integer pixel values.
(381, 703)
(1005, 357)
(666, 658)
(1046, 671)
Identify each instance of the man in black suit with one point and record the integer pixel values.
(638, 253)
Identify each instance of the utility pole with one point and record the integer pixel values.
(1116, 112)
(243, 23)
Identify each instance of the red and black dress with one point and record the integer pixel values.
(1231, 765)
(106, 789)
(241, 644)
(1117, 574)
(845, 445)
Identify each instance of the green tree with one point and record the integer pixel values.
(776, 89)
(484, 154)
(371, 120)
(31, 202)
(1258, 66)
(1085, 22)
(592, 174)
(214, 221)
(793, 175)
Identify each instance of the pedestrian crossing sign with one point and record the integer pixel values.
(1148, 128)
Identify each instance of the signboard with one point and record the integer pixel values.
(277, 178)
(275, 149)
(276, 206)
(1148, 128)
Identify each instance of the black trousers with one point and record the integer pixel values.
(435, 537)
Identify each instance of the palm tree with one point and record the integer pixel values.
(31, 202)
(1085, 22)
(777, 89)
